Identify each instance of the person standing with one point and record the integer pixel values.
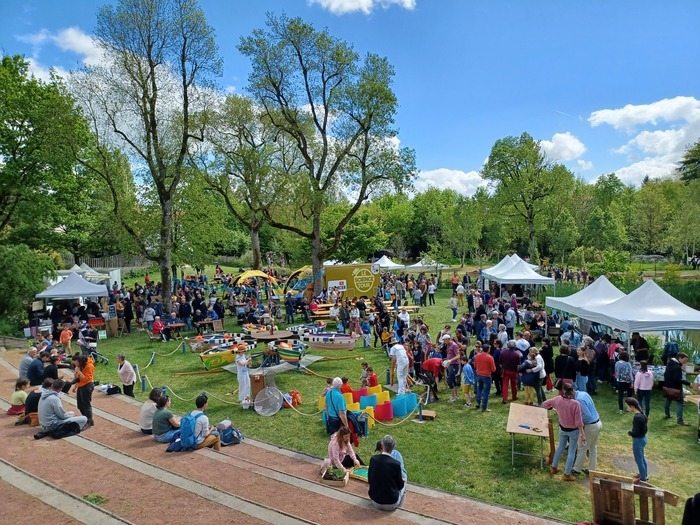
(592, 427)
(623, 376)
(570, 428)
(485, 367)
(509, 360)
(399, 360)
(643, 383)
(673, 379)
(242, 363)
(453, 306)
(387, 487)
(639, 438)
(431, 293)
(84, 376)
(126, 375)
(452, 365)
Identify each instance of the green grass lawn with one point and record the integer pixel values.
(463, 451)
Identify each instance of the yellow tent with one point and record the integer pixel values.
(254, 273)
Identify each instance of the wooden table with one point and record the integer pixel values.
(267, 336)
(532, 417)
(176, 330)
(206, 325)
(695, 399)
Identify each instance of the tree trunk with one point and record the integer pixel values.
(531, 243)
(165, 260)
(76, 258)
(317, 255)
(255, 244)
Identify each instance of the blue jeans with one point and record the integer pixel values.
(644, 396)
(638, 445)
(581, 382)
(679, 408)
(483, 389)
(454, 313)
(170, 436)
(565, 437)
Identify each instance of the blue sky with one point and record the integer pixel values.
(608, 86)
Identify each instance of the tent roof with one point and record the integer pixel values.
(515, 257)
(255, 273)
(385, 262)
(520, 273)
(600, 292)
(647, 309)
(72, 287)
(427, 263)
(503, 264)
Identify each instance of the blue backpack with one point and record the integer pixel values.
(188, 441)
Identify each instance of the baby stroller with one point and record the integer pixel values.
(88, 344)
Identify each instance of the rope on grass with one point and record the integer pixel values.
(171, 353)
(224, 400)
(170, 390)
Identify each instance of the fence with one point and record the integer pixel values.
(112, 261)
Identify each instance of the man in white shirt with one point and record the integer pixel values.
(206, 434)
(460, 294)
(399, 359)
(405, 316)
(26, 361)
(431, 292)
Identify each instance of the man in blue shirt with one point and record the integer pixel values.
(592, 427)
(336, 409)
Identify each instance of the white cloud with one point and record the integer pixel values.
(230, 90)
(44, 73)
(655, 168)
(34, 39)
(73, 39)
(445, 178)
(563, 147)
(584, 165)
(341, 7)
(668, 110)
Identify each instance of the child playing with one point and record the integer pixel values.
(386, 340)
(366, 334)
(329, 385)
(467, 380)
(372, 379)
(66, 336)
(18, 398)
(345, 388)
(364, 376)
(639, 438)
(529, 377)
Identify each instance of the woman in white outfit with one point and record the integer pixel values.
(242, 362)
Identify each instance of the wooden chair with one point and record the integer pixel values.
(152, 338)
(218, 326)
(614, 501)
(121, 326)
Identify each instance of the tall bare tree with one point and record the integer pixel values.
(159, 57)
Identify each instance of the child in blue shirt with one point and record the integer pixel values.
(467, 380)
(366, 334)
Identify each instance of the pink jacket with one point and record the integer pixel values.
(338, 451)
(643, 381)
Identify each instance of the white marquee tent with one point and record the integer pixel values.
(600, 292)
(647, 309)
(504, 264)
(388, 264)
(520, 273)
(515, 257)
(427, 263)
(72, 287)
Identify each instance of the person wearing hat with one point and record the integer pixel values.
(242, 363)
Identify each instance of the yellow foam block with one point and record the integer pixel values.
(353, 406)
(321, 403)
(383, 397)
(348, 398)
(370, 420)
(374, 390)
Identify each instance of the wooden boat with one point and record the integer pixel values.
(290, 351)
(220, 355)
(250, 328)
(311, 328)
(330, 341)
(200, 344)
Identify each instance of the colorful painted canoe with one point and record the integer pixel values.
(250, 328)
(220, 355)
(200, 344)
(291, 352)
(302, 329)
(330, 341)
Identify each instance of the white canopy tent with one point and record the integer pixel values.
(520, 273)
(72, 287)
(647, 309)
(388, 264)
(600, 293)
(504, 264)
(515, 257)
(428, 263)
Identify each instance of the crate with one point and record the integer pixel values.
(337, 482)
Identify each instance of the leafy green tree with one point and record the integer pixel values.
(463, 229)
(433, 210)
(652, 212)
(689, 166)
(607, 189)
(363, 234)
(338, 112)
(395, 214)
(159, 55)
(21, 278)
(523, 179)
(37, 121)
(565, 234)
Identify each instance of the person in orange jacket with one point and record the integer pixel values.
(66, 336)
(83, 385)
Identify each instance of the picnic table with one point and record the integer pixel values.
(176, 330)
(529, 421)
